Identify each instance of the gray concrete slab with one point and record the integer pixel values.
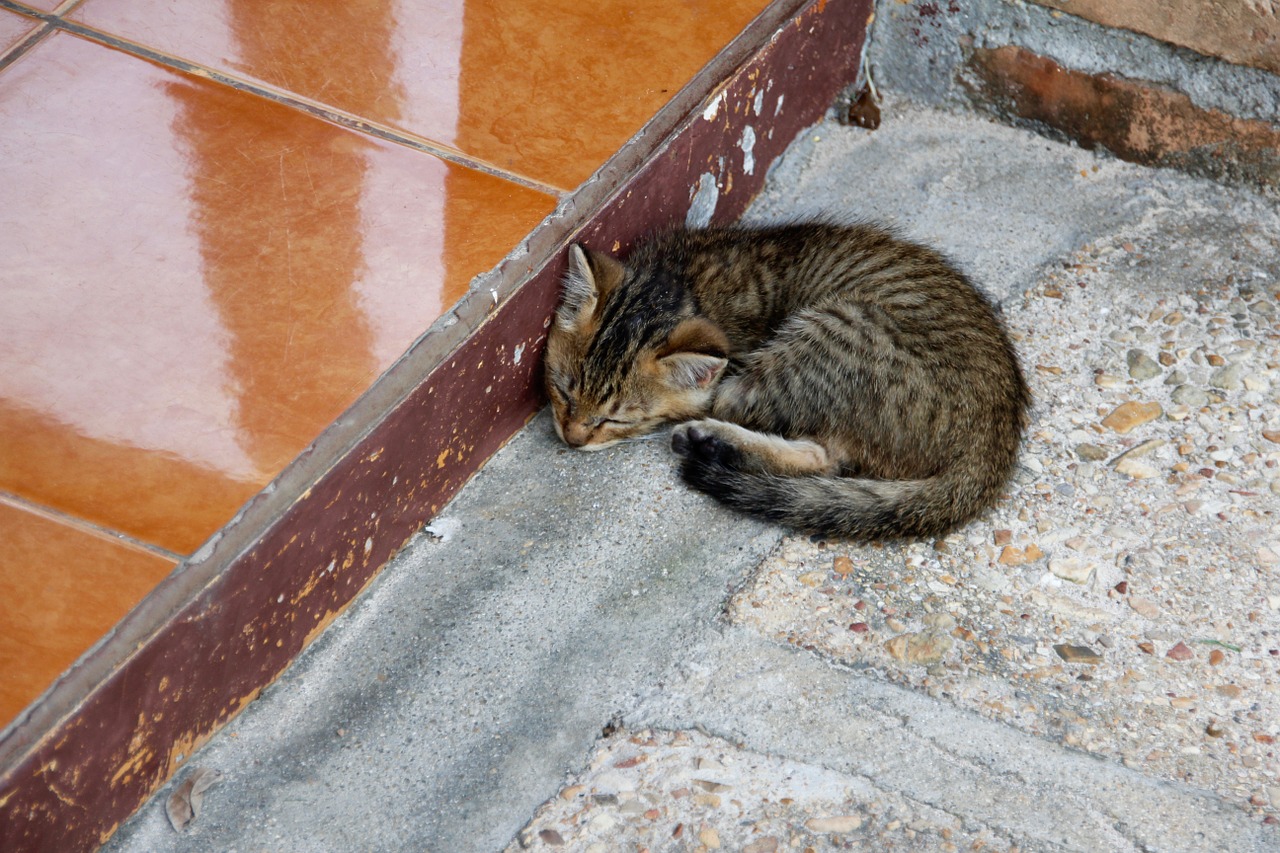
(772, 700)
(566, 590)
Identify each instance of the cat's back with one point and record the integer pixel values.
(757, 277)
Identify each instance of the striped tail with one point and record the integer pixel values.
(843, 506)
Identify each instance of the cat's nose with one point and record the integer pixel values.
(575, 434)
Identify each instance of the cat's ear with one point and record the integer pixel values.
(689, 371)
(694, 355)
(590, 278)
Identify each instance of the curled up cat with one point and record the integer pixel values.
(834, 378)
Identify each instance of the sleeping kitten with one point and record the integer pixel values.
(834, 378)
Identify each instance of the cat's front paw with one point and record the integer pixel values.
(701, 441)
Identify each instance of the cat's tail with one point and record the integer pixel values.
(846, 506)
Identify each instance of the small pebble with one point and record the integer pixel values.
(1077, 654)
(829, 825)
(1229, 378)
(1128, 416)
(925, 648)
(1071, 569)
(1189, 395)
(1144, 606)
(1089, 453)
(1141, 366)
(1136, 469)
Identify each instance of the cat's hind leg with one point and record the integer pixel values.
(725, 445)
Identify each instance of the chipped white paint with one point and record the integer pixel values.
(713, 108)
(778, 107)
(703, 204)
(442, 529)
(758, 104)
(368, 545)
(517, 354)
(748, 144)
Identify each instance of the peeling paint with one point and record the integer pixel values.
(517, 354)
(704, 201)
(748, 144)
(713, 108)
(758, 104)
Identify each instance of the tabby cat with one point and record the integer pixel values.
(835, 378)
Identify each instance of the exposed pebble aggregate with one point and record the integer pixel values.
(1125, 598)
(686, 791)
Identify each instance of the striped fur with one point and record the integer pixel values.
(833, 378)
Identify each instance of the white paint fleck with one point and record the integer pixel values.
(759, 102)
(333, 564)
(748, 144)
(368, 545)
(518, 353)
(713, 108)
(703, 205)
(442, 529)
(777, 109)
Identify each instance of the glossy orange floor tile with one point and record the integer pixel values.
(197, 281)
(13, 28)
(548, 89)
(48, 618)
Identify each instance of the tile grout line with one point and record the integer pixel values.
(22, 46)
(314, 109)
(27, 10)
(85, 526)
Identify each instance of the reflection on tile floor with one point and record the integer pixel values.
(198, 279)
(548, 89)
(205, 282)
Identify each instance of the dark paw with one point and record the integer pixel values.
(692, 442)
(680, 441)
(709, 461)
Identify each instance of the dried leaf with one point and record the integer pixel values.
(184, 804)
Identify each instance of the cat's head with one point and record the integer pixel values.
(624, 355)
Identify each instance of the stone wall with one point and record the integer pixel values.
(1186, 84)
(1246, 32)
